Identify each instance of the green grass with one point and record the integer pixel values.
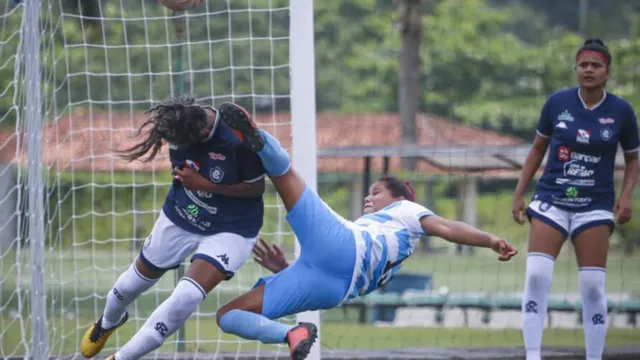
(89, 232)
(65, 336)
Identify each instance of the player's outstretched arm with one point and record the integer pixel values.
(270, 257)
(461, 233)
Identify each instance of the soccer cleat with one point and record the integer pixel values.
(112, 357)
(243, 127)
(96, 337)
(300, 340)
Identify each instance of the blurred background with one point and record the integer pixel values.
(445, 93)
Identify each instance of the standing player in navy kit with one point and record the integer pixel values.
(214, 208)
(575, 196)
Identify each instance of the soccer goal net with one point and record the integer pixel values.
(76, 77)
(76, 80)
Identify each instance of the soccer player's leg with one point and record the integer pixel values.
(549, 229)
(300, 287)
(151, 264)
(590, 232)
(313, 222)
(216, 259)
(274, 157)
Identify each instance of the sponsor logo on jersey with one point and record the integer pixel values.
(564, 153)
(583, 136)
(574, 169)
(605, 121)
(561, 125)
(565, 116)
(216, 156)
(585, 158)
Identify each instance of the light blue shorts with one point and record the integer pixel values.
(321, 276)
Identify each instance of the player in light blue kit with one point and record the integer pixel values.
(339, 259)
(575, 198)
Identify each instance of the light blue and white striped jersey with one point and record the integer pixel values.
(384, 239)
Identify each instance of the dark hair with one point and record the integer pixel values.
(595, 45)
(398, 187)
(178, 121)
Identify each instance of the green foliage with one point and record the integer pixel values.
(486, 63)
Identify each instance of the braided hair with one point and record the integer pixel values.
(178, 121)
(398, 187)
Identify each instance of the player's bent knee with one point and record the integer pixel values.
(147, 271)
(186, 298)
(223, 318)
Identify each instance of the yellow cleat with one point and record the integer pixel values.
(96, 337)
(112, 357)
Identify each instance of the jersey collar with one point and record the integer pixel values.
(584, 105)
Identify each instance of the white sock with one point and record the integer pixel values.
(164, 321)
(127, 288)
(534, 301)
(594, 309)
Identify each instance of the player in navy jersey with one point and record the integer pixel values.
(582, 128)
(339, 259)
(214, 209)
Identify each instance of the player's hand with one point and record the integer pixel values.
(622, 209)
(269, 256)
(191, 179)
(503, 247)
(518, 208)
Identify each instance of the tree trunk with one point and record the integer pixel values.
(410, 27)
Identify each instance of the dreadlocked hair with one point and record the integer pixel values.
(178, 121)
(398, 187)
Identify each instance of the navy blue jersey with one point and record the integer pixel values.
(579, 172)
(224, 160)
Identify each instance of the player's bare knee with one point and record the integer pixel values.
(220, 313)
(146, 272)
(205, 274)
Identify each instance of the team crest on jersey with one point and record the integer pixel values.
(605, 121)
(216, 156)
(583, 136)
(216, 174)
(606, 134)
(561, 125)
(565, 116)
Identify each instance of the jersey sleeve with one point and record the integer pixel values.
(629, 140)
(411, 213)
(249, 165)
(545, 123)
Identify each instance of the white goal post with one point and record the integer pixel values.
(303, 113)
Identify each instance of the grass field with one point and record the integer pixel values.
(65, 336)
(78, 281)
(89, 243)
